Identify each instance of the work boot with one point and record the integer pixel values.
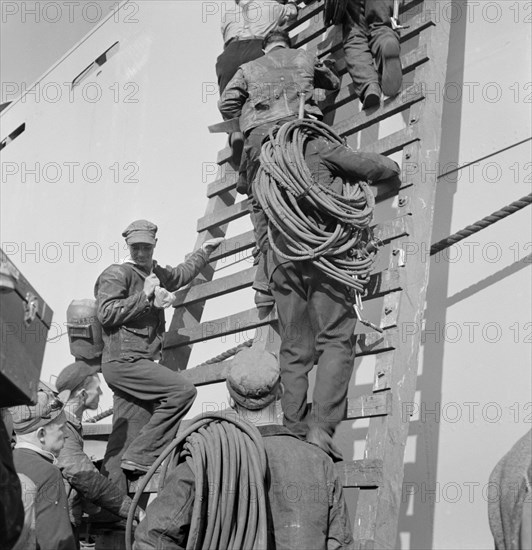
(372, 96)
(236, 141)
(264, 299)
(391, 71)
(133, 468)
(319, 437)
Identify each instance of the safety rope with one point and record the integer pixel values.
(298, 206)
(229, 353)
(100, 416)
(481, 224)
(228, 459)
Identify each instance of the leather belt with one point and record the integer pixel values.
(240, 39)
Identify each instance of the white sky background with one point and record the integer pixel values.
(35, 35)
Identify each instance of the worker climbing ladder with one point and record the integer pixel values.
(400, 283)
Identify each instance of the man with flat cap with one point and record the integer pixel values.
(80, 384)
(131, 298)
(40, 438)
(316, 520)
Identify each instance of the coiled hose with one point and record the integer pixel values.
(228, 459)
(293, 202)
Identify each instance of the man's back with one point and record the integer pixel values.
(52, 525)
(269, 88)
(306, 508)
(306, 500)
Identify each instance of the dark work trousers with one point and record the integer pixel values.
(171, 396)
(236, 53)
(249, 167)
(130, 415)
(368, 21)
(316, 320)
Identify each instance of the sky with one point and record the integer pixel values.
(35, 36)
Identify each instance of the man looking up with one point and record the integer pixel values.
(83, 482)
(40, 438)
(131, 298)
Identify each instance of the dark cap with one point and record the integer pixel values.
(72, 376)
(29, 418)
(253, 378)
(140, 231)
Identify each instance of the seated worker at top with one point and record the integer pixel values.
(244, 29)
(371, 47)
(130, 299)
(264, 93)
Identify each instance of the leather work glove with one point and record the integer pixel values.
(150, 283)
(163, 298)
(211, 244)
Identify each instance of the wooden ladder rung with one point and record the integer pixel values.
(380, 283)
(95, 430)
(360, 473)
(366, 344)
(391, 107)
(226, 183)
(367, 406)
(215, 288)
(224, 326)
(233, 245)
(224, 215)
(224, 155)
(392, 143)
(365, 473)
(386, 232)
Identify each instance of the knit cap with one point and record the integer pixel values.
(253, 378)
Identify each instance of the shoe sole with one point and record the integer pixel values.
(134, 469)
(392, 72)
(372, 100)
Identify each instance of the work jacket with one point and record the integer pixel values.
(83, 482)
(308, 510)
(268, 88)
(43, 495)
(133, 327)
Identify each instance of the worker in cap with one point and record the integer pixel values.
(40, 438)
(305, 496)
(131, 298)
(84, 483)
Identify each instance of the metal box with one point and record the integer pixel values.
(25, 319)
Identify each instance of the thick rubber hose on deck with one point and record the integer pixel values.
(228, 459)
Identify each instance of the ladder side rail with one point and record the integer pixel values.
(378, 511)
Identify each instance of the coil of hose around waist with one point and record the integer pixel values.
(228, 459)
(293, 200)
